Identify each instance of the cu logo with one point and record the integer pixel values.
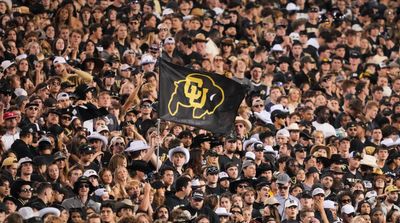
(198, 92)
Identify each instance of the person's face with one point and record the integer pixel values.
(309, 217)
(5, 189)
(250, 171)
(26, 168)
(283, 189)
(232, 172)
(383, 154)
(83, 189)
(179, 159)
(59, 68)
(26, 192)
(107, 214)
(10, 207)
(13, 169)
(196, 203)
(168, 177)
(291, 212)
(378, 216)
(76, 217)
(53, 172)
(163, 214)
(75, 175)
(258, 106)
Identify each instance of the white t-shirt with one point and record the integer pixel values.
(326, 128)
(8, 139)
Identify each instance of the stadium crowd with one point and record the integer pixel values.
(316, 138)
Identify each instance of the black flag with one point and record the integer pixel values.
(205, 100)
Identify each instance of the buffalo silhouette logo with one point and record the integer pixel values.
(198, 92)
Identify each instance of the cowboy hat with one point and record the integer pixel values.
(369, 160)
(96, 135)
(318, 147)
(179, 149)
(245, 122)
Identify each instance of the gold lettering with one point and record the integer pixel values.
(194, 91)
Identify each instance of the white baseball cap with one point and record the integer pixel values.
(348, 209)
(290, 203)
(59, 60)
(24, 160)
(147, 59)
(317, 191)
(90, 173)
(125, 66)
(62, 96)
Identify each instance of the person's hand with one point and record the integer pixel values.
(146, 188)
(69, 68)
(239, 217)
(68, 50)
(319, 203)
(83, 56)
(38, 66)
(153, 140)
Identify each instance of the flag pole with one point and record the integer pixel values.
(158, 143)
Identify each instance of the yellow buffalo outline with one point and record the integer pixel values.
(176, 83)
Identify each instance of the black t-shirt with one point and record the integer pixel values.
(224, 160)
(21, 149)
(210, 190)
(311, 30)
(171, 201)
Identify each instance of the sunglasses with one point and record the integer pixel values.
(163, 29)
(236, 212)
(346, 201)
(66, 118)
(33, 108)
(145, 106)
(26, 190)
(84, 185)
(119, 144)
(56, 83)
(242, 185)
(283, 188)
(239, 126)
(258, 106)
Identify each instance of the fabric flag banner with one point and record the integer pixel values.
(204, 100)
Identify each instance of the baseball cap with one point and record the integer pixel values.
(223, 175)
(9, 161)
(90, 173)
(198, 195)
(169, 40)
(62, 96)
(318, 191)
(290, 203)
(211, 170)
(59, 60)
(348, 209)
(24, 160)
(282, 179)
(147, 59)
(9, 115)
